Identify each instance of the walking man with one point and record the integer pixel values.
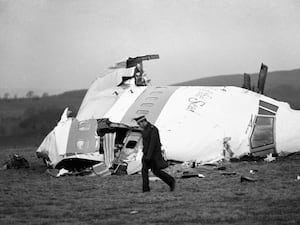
(152, 156)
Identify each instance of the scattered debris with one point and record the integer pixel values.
(58, 173)
(269, 158)
(228, 173)
(100, 169)
(247, 179)
(133, 212)
(201, 175)
(253, 171)
(188, 164)
(209, 164)
(221, 168)
(189, 174)
(16, 161)
(240, 193)
(248, 158)
(62, 172)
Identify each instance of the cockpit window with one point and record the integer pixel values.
(262, 111)
(145, 112)
(156, 93)
(147, 105)
(263, 132)
(152, 98)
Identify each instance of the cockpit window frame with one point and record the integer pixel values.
(267, 147)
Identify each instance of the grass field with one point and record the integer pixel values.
(31, 196)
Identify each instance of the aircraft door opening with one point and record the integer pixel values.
(262, 139)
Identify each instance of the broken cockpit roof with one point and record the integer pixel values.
(104, 125)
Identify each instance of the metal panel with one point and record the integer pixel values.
(154, 96)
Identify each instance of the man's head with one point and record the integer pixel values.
(141, 121)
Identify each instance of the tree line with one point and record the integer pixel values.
(33, 122)
(29, 94)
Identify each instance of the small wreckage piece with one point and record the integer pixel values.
(247, 179)
(16, 161)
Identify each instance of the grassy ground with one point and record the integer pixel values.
(31, 196)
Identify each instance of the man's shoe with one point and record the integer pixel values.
(146, 190)
(172, 186)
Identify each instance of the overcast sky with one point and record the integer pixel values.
(66, 44)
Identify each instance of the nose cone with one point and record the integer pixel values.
(53, 147)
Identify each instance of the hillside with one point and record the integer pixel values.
(16, 107)
(281, 85)
(34, 117)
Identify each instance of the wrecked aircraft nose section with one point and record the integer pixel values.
(196, 123)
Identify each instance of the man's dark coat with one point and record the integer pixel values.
(152, 147)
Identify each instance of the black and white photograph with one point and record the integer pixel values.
(149, 112)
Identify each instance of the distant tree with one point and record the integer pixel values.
(6, 95)
(45, 95)
(15, 96)
(35, 97)
(30, 94)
